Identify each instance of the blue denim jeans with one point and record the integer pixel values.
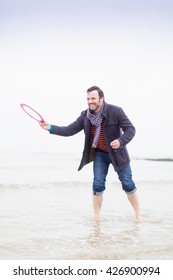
(100, 169)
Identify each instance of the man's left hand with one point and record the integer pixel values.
(115, 144)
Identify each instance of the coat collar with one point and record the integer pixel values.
(105, 109)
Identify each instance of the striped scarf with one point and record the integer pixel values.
(95, 119)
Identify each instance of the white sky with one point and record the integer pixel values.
(52, 51)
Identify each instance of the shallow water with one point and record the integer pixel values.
(53, 219)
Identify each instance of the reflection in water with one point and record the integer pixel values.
(113, 239)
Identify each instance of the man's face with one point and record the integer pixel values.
(94, 101)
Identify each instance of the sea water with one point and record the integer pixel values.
(46, 210)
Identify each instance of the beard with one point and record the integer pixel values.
(93, 107)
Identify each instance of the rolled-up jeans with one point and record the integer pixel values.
(100, 170)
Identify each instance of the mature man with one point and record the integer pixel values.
(107, 132)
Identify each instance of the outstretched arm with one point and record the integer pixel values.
(68, 130)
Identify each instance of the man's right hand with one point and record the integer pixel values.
(45, 125)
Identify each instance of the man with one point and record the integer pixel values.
(107, 132)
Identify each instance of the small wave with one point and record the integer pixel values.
(156, 159)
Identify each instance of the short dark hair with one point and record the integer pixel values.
(100, 92)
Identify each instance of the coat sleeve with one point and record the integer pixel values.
(128, 129)
(70, 129)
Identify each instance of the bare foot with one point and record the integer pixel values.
(138, 219)
(97, 217)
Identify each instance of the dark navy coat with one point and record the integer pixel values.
(116, 126)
